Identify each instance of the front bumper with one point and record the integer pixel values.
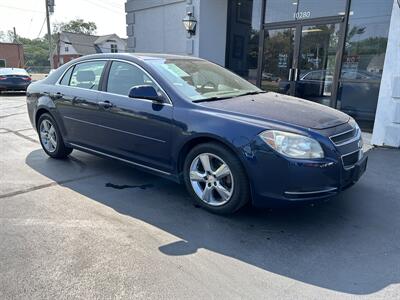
(278, 181)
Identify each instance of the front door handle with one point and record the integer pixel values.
(57, 95)
(105, 104)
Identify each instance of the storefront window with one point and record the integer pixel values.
(243, 37)
(291, 10)
(367, 37)
(363, 59)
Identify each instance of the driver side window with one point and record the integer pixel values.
(124, 76)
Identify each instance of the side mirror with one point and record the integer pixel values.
(147, 92)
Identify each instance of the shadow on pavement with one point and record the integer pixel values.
(350, 244)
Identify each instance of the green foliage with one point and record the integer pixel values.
(6, 37)
(76, 26)
(36, 51)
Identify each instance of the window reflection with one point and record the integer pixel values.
(363, 59)
(366, 39)
(243, 39)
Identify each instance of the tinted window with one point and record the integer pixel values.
(66, 77)
(243, 37)
(87, 75)
(363, 59)
(367, 37)
(124, 76)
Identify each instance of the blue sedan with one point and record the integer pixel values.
(195, 122)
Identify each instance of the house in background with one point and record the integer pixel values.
(11, 55)
(73, 45)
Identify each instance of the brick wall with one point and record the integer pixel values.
(13, 54)
(64, 59)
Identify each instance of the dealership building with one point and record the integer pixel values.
(340, 53)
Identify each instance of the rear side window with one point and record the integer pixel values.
(87, 75)
(66, 77)
(124, 76)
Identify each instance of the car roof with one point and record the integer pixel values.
(6, 71)
(139, 56)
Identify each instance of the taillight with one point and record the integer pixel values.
(3, 78)
(27, 78)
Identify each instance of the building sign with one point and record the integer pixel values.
(282, 60)
(351, 63)
(301, 15)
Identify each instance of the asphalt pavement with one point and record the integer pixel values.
(91, 228)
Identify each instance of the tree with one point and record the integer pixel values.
(7, 37)
(36, 52)
(76, 26)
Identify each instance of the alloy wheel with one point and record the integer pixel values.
(211, 179)
(48, 135)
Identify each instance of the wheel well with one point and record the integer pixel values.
(40, 112)
(193, 143)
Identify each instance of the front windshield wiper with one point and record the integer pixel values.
(215, 98)
(211, 99)
(251, 93)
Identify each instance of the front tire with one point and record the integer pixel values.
(216, 179)
(50, 137)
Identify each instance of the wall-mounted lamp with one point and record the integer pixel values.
(190, 23)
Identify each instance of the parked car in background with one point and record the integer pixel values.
(14, 79)
(270, 77)
(195, 122)
(360, 87)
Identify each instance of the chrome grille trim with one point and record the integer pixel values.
(355, 137)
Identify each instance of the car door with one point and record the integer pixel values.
(135, 129)
(77, 100)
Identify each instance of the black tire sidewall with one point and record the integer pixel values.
(241, 193)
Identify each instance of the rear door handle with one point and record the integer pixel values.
(105, 104)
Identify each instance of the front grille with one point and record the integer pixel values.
(344, 137)
(349, 160)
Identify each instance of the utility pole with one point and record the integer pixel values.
(19, 48)
(49, 34)
(15, 35)
(58, 50)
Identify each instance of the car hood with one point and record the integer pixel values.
(283, 109)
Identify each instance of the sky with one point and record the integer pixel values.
(28, 16)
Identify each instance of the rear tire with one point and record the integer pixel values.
(51, 139)
(216, 179)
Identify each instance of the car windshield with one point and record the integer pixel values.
(13, 71)
(200, 80)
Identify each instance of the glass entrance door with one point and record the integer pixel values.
(279, 48)
(301, 60)
(314, 79)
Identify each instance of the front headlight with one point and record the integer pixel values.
(292, 145)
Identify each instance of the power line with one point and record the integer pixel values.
(110, 9)
(19, 8)
(41, 28)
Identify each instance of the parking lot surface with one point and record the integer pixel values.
(88, 227)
